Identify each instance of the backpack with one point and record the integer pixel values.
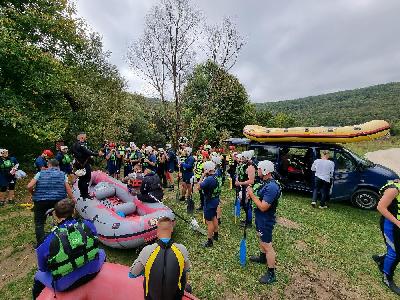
(73, 246)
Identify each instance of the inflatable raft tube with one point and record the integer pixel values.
(346, 134)
(122, 221)
(111, 283)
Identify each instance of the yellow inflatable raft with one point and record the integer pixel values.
(346, 134)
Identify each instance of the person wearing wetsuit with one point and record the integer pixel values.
(246, 176)
(83, 160)
(388, 206)
(164, 264)
(265, 196)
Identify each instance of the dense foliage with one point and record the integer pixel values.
(343, 108)
(215, 104)
(55, 79)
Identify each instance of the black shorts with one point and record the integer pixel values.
(264, 230)
(10, 187)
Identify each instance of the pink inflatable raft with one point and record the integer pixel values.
(111, 283)
(121, 220)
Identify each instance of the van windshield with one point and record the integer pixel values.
(361, 161)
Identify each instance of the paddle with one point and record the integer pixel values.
(237, 205)
(190, 203)
(178, 190)
(194, 225)
(243, 246)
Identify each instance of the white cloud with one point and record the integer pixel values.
(294, 48)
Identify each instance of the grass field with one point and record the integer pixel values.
(322, 254)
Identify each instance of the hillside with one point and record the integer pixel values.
(343, 108)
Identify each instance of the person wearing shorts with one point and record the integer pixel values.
(265, 196)
(187, 173)
(211, 185)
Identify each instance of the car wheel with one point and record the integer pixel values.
(365, 199)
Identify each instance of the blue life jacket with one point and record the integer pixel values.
(50, 185)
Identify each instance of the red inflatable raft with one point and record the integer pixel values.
(111, 283)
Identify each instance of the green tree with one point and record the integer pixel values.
(214, 101)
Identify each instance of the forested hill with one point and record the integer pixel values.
(342, 108)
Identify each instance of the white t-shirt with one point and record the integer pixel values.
(324, 169)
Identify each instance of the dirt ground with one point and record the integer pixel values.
(388, 158)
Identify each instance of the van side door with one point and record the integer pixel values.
(346, 176)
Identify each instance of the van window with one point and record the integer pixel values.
(344, 163)
(266, 153)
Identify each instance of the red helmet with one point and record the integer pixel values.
(232, 147)
(48, 153)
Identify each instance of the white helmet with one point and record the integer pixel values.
(208, 166)
(248, 155)
(216, 159)
(160, 150)
(168, 146)
(62, 148)
(188, 150)
(266, 167)
(2, 151)
(214, 153)
(148, 149)
(239, 156)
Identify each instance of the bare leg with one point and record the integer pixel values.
(270, 254)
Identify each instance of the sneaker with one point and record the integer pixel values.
(248, 225)
(260, 259)
(215, 237)
(314, 204)
(200, 208)
(390, 284)
(2, 203)
(208, 244)
(182, 199)
(268, 278)
(323, 206)
(379, 261)
(11, 201)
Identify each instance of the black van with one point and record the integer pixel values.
(355, 178)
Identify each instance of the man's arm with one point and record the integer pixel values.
(137, 267)
(31, 185)
(262, 205)
(69, 190)
(87, 151)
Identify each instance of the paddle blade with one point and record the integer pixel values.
(242, 252)
(237, 208)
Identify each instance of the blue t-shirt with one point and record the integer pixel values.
(153, 159)
(270, 193)
(40, 163)
(187, 166)
(208, 185)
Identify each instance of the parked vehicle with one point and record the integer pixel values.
(355, 178)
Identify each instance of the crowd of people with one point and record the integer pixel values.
(203, 171)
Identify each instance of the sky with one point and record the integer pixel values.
(294, 48)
